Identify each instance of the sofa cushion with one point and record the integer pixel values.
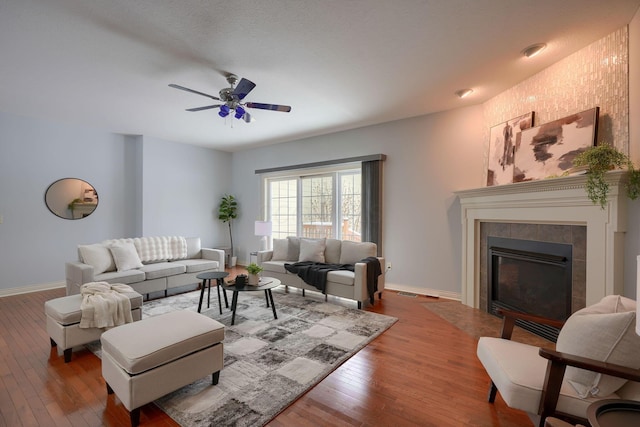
(125, 256)
(161, 248)
(312, 250)
(280, 250)
(98, 256)
(194, 247)
(197, 265)
(293, 248)
(125, 277)
(332, 251)
(341, 276)
(605, 332)
(352, 252)
(66, 310)
(162, 269)
(274, 266)
(138, 347)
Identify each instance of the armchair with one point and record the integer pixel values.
(545, 382)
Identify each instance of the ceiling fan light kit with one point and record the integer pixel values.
(232, 99)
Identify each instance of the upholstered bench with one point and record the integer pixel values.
(63, 322)
(145, 360)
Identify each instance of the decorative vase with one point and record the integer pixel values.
(254, 279)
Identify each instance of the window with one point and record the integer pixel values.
(322, 204)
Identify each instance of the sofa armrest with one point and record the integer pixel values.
(214, 255)
(263, 256)
(77, 274)
(557, 366)
(360, 280)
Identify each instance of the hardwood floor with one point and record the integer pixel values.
(421, 372)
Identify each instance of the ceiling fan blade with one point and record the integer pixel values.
(272, 107)
(193, 91)
(244, 87)
(208, 107)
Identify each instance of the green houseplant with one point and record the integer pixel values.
(227, 212)
(254, 269)
(599, 160)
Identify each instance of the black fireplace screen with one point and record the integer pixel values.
(531, 277)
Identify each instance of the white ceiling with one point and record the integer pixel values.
(340, 64)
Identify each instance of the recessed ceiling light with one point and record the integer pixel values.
(534, 49)
(463, 93)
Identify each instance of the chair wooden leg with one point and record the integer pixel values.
(53, 343)
(109, 389)
(551, 390)
(492, 393)
(67, 355)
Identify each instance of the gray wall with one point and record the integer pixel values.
(144, 185)
(428, 158)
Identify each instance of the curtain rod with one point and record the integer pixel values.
(369, 158)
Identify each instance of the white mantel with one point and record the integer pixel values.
(552, 201)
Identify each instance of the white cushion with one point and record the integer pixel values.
(125, 256)
(605, 332)
(280, 250)
(294, 248)
(98, 256)
(518, 372)
(332, 251)
(353, 252)
(312, 250)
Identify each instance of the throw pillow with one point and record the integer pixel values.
(294, 248)
(312, 250)
(98, 256)
(125, 256)
(604, 332)
(280, 250)
(353, 252)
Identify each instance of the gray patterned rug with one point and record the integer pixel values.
(268, 363)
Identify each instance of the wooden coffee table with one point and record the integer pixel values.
(265, 284)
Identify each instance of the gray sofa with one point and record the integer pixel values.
(147, 264)
(341, 283)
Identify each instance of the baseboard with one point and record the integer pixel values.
(422, 291)
(32, 288)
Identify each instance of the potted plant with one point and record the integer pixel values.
(227, 212)
(599, 160)
(254, 270)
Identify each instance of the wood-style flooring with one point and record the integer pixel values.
(421, 372)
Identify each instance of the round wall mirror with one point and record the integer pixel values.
(71, 198)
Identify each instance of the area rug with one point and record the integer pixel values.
(268, 363)
(478, 323)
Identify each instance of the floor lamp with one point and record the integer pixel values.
(263, 229)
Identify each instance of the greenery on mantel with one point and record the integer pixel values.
(599, 160)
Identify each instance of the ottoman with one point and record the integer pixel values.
(145, 360)
(63, 322)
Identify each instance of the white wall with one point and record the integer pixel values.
(428, 158)
(181, 185)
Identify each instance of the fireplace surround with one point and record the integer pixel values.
(548, 203)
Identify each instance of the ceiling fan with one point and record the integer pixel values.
(232, 99)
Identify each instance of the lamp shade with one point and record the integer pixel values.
(263, 228)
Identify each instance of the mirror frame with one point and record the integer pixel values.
(59, 198)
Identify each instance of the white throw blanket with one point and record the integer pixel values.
(104, 306)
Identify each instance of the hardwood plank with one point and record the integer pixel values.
(422, 371)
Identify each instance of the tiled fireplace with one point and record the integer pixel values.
(554, 210)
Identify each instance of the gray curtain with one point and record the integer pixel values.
(372, 202)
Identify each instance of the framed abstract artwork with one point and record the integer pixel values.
(549, 149)
(502, 141)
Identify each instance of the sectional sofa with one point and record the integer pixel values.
(147, 264)
(353, 285)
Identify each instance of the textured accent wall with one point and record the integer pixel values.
(594, 76)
